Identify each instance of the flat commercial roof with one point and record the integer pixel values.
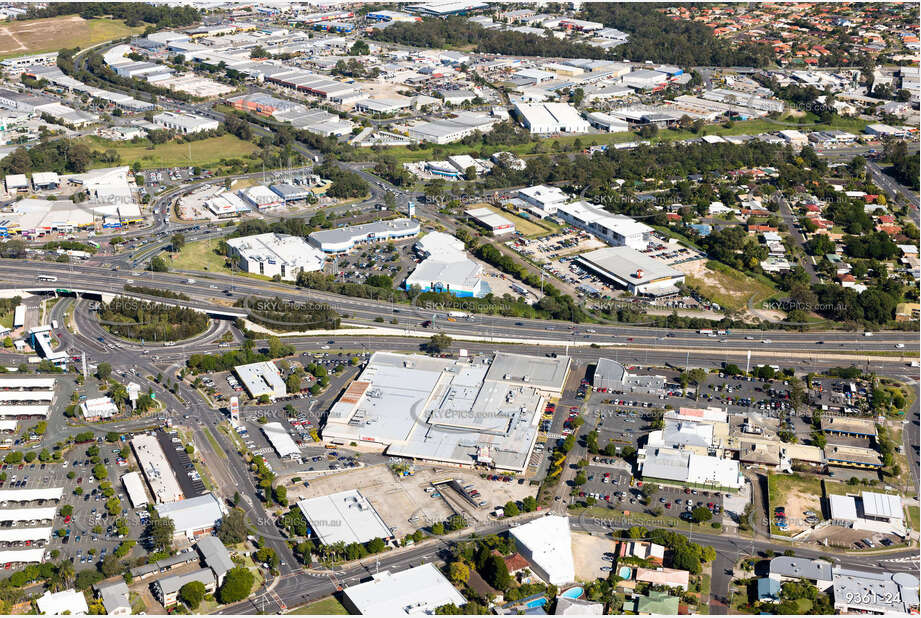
(261, 379)
(791, 566)
(24, 410)
(194, 514)
(882, 505)
(859, 426)
(842, 507)
(280, 440)
(549, 543)
(159, 474)
(28, 495)
(853, 454)
(492, 220)
(623, 264)
(26, 396)
(346, 516)
(457, 411)
(134, 486)
(344, 238)
(539, 372)
(416, 591)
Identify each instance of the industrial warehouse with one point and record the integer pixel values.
(632, 270)
(344, 239)
(274, 254)
(481, 411)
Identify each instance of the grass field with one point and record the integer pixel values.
(728, 287)
(200, 255)
(6, 319)
(914, 515)
(328, 605)
(204, 153)
(35, 36)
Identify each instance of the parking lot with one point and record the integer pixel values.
(89, 532)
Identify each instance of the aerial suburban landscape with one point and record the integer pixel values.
(459, 307)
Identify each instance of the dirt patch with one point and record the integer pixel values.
(587, 550)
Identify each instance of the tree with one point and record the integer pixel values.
(701, 513)
(192, 594)
(103, 370)
(238, 583)
(510, 509)
(158, 265)
(161, 530)
(496, 573)
(110, 565)
(233, 528)
(438, 343)
(458, 573)
(177, 242)
(686, 558)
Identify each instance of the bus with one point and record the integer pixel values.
(47, 278)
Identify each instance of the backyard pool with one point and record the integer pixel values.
(573, 593)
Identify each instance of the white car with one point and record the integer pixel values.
(900, 345)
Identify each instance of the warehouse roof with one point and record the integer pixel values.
(280, 439)
(193, 514)
(791, 566)
(628, 265)
(882, 505)
(549, 543)
(842, 507)
(346, 516)
(416, 591)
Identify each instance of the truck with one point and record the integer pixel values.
(868, 334)
(190, 281)
(457, 314)
(54, 324)
(705, 331)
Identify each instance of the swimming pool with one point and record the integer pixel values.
(536, 603)
(624, 572)
(573, 593)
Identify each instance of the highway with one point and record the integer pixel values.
(218, 292)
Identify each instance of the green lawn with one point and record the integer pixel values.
(200, 255)
(36, 36)
(328, 606)
(779, 485)
(914, 516)
(204, 153)
(6, 319)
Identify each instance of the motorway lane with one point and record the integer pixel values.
(21, 274)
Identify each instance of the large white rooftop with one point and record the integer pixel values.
(416, 591)
(458, 411)
(346, 516)
(293, 251)
(280, 439)
(548, 544)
